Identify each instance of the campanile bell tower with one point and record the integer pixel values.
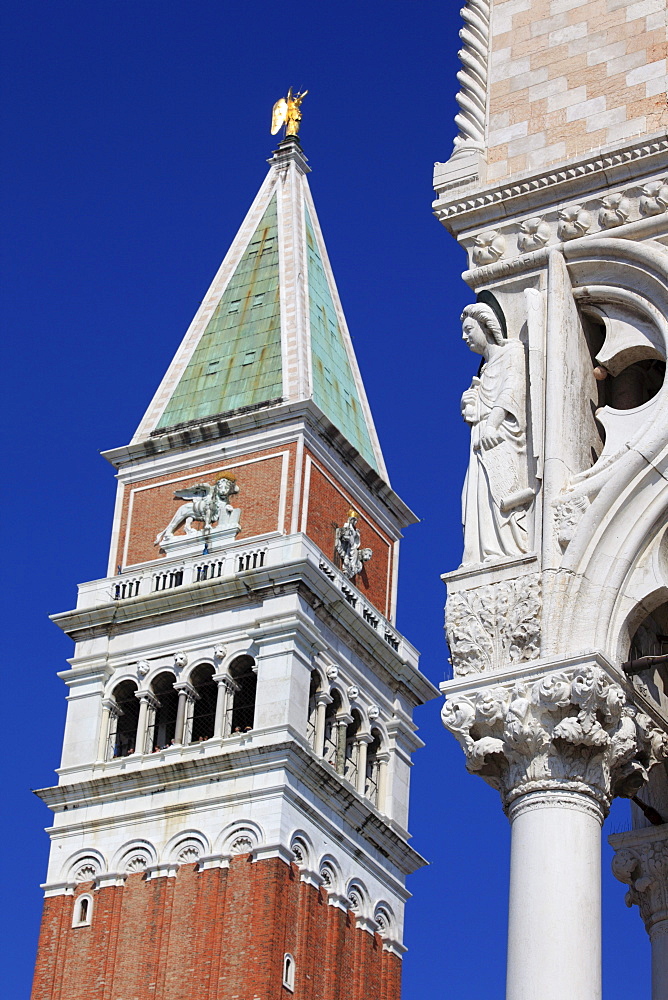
(230, 818)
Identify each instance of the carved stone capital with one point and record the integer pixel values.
(495, 625)
(641, 863)
(571, 730)
(187, 689)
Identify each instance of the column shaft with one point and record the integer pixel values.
(180, 717)
(554, 930)
(658, 935)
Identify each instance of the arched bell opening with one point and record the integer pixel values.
(204, 707)
(351, 760)
(162, 727)
(330, 753)
(242, 709)
(314, 690)
(123, 722)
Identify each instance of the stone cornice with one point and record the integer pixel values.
(293, 755)
(533, 192)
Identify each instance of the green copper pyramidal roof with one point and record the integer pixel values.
(271, 328)
(334, 388)
(237, 361)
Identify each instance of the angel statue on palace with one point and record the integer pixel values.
(208, 503)
(495, 496)
(348, 547)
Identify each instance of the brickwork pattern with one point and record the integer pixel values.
(218, 934)
(570, 76)
(328, 508)
(152, 509)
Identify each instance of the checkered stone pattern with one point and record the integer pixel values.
(571, 76)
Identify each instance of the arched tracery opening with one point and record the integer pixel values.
(242, 709)
(162, 725)
(651, 639)
(123, 720)
(204, 706)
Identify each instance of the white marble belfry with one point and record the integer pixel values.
(557, 617)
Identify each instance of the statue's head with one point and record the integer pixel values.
(480, 327)
(226, 487)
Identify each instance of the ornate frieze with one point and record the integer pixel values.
(572, 730)
(493, 626)
(641, 863)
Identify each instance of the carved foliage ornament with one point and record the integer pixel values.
(571, 730)
(534, 234)
(490, 627)
(644, 868)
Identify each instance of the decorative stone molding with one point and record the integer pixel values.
(488, 247)
(641, 862)
(565, 183)
(571, 730)
(86, 869)
(573, 222)
(654, 199)
(492, 626)
(534, 234)
(472, 77)
(180, 661)
(615, 211)
(567, 515)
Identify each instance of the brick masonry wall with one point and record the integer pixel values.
(219, 934)
(328, 507)
(570, 76)
(153, 508)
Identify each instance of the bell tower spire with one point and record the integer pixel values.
(232, 801)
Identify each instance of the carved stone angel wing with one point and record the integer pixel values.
(194, 492)
(278, 115)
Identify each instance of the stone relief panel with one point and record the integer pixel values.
(573, 730)
(496, 493)
(207, 504)
(492, 626)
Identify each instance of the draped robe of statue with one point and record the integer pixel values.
(494, 529)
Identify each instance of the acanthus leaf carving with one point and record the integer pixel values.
(572, 729)
(641, 863)
(494, 625)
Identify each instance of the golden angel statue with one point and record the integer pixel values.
(287, 112)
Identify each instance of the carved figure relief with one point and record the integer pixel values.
(490, 627)
(496, 495)
(570, 729)
(348, 547)
(567, 515)
(208, 503)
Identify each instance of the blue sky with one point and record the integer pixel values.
(136, 135)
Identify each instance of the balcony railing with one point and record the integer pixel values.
(165, 574)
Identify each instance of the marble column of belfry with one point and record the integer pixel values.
(557, 189)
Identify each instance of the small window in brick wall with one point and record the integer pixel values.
(83, 911)
(289, 972)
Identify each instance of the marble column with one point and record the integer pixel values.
(147, 702)
(187, 694)
(362, 740)
(322, 700)
(224, 695)
(110, 711)
(641, 862)
(558, 746)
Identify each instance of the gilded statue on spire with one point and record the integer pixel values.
(287, 112)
